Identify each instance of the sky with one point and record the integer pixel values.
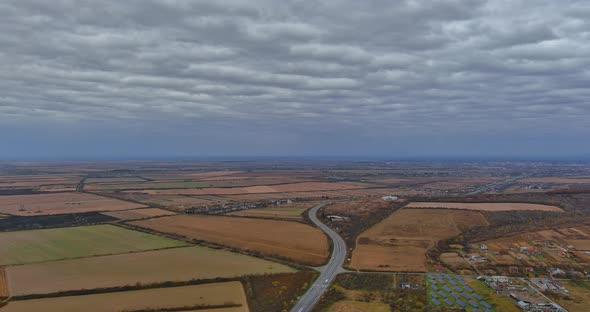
(398, 79)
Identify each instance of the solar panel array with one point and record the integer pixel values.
(453, 291)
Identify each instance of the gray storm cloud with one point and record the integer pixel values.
(291, 70)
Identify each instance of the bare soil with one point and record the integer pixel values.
(400, 242)
(216, 294)
(136, 214)
(168, 265)
(60, 203)
(292, 240)
(294, 187)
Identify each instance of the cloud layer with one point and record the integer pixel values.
(291, 76)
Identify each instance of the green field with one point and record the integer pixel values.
(54, 244)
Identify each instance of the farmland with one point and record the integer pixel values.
(293, 187)
(60, 203)
(136, 214)
(281, 238)
(288, 212)
(485, 206)
(579, 296)
(19, 223)
(553, 247)
(241, 213)
(374, 292)
(73, 242)
(177, 298)
(176, 264)
(3, 284)
(352, 306)
(559, 180)
(144, 185)
(37, 181)
(400, 242)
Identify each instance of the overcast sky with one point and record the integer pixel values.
(157, 78)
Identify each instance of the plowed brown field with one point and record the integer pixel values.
(293, 187)
(60, 203)
(175, 264)
(286, 239)
(150, 299)
(3, 284)
(136, 214)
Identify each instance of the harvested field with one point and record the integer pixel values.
(60, 203)
(290, 211)
(400, 242)
(136, 214)
(357, 207)
(579, 296)
(175, 264)
(18, 223)
(217, 294)
(144, 185)
(84, 241)
(286, 239)
(356, 306)
(560, 180)
(454, 260)
(4, 293)
(293, 187)
(36, 181)
(205, 175)
(58, 188)
(485, 206)
(114, 180)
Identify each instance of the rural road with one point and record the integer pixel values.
(328, 272)
(493, 185)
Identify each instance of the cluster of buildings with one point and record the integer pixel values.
(527, 296)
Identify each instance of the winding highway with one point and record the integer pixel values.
(328, 272)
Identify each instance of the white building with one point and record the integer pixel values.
(389, 198)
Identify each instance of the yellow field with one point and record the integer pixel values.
(177, 264)
(400, 242)
(160, 298)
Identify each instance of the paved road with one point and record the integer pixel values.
(493, 185)
(328, 272)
